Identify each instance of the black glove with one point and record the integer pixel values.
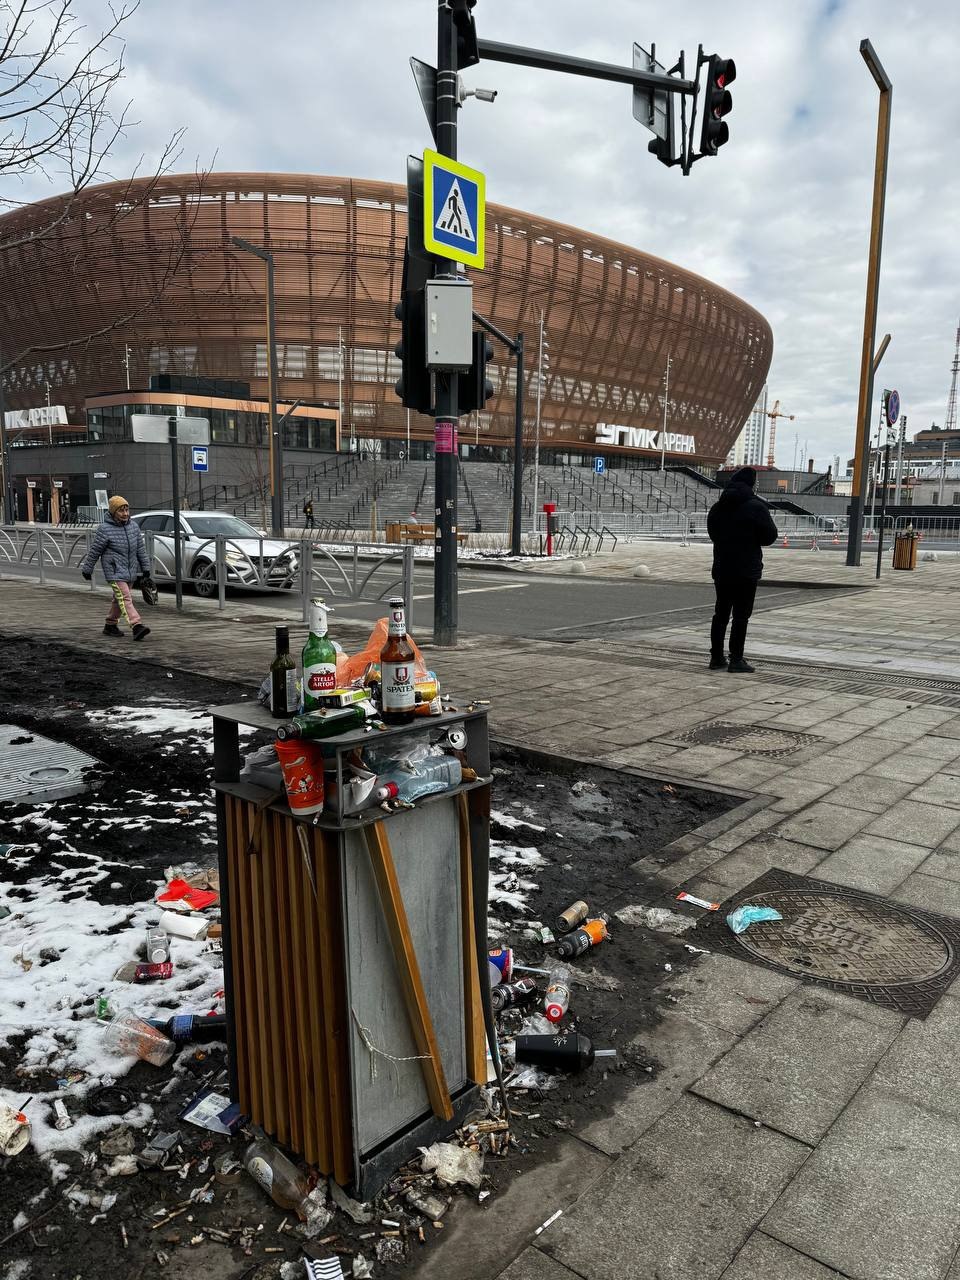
(87, 576)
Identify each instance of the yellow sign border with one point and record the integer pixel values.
(433, 160)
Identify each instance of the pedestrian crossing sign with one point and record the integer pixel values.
(454, 210)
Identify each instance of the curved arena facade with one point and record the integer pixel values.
(133, 279)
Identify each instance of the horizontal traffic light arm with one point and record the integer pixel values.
(484, 323)
(520, 56)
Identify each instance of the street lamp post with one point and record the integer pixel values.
(276, 443)
(666, 401)
(8, 513)
(536, 439)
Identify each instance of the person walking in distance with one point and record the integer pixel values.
(739, 524)
(308, 513)
(119, 546)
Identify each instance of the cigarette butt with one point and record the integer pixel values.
(553, 1217)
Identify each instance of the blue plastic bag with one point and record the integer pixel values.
(741, 919)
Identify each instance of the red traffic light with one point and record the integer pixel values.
(717, 103)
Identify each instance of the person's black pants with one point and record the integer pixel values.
(734, 596)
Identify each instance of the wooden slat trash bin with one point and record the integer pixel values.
(905, 549)
(351, 967)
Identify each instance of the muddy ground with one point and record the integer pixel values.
(591, 833)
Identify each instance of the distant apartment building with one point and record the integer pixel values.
(748, 450)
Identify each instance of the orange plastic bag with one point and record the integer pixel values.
(356, 666)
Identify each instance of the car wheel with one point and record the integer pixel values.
(204, 579)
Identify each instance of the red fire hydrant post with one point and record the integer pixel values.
(550, 508)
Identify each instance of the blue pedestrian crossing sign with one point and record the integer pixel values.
(200, 458)
(454, 210)
(599, 464)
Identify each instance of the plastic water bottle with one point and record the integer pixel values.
(436, 773)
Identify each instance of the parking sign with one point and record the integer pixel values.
(200, 457)
(599, 465)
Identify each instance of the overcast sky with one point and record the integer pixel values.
(780, 217)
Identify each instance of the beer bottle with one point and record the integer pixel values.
(323, 724)
(397, 693)
(283, 677)
(319, 658)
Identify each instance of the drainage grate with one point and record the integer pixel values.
(754, 740)
(37, 768)
(884, 952)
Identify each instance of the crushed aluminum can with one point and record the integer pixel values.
(159, 1150)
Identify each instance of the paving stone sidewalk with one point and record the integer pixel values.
(794, 1133)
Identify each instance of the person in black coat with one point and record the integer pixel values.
(739, 524)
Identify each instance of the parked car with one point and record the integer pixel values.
(251, 559)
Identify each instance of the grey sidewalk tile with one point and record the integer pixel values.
(824, 825)
(786, 785)
(829, 769)
(897, 732)
(685, 1048)
(700, 760)
(755, 857)
(951, 844)
(680, 1203)
(880, 1197)
(744, 831)
(930, 893)
(839, 732)
(951, 729)
(872, 752)
(746, 774)
(800, 1067)
(945, 749)
(730, 994)
(905, 767)
(923, 1064)
(871, 794)
(942, 788)
(694, 863)
(534, 1265)
(870, 714)
(923, 824)
(763, 1258)
(872, 863)
(647, 755)
(942, 864)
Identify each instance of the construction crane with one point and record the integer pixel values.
(773, 414)
(950, 423)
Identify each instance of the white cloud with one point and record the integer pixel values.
(781, 216)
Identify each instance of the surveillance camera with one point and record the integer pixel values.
(486, 95)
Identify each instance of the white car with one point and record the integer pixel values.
(251, 560)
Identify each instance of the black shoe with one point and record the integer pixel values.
(111, 629)
(139, 631)
(740, 667)
(717, 663)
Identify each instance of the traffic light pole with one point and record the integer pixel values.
(445, 447)
(516, 347)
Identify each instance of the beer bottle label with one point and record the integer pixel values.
(397, 685)
(396, 623)
(320, 677)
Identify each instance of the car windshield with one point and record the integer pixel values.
(221, 526)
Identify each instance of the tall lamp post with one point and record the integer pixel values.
(276, 443)
(861, 455)
(543, 361)
(8, 504)
(666, 401)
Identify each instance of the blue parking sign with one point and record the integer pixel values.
(200, 458)
(599, 465)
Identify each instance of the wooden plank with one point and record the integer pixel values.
(230, 885)
(329, 919)
(318, 981)
(252, 1104)
(408, 969)
(277, 1076)
(281, 852)
(475, 1036)
(310, 1063)
(259, 906)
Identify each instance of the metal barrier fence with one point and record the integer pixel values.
(302, 567)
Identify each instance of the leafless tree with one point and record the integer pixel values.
(61, 120)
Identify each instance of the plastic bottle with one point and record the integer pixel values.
(575, 914)
(435, 773)
(569, 1052)
(587, 936)
(129, 1034)
(279, 1177)
(556, 998)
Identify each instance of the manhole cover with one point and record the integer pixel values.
(755, 740)
(886, 952)
(36, 768)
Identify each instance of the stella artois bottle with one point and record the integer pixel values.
(319, 658)
(397, 692)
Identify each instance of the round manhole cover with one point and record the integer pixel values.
(48, 773)
(838, 939)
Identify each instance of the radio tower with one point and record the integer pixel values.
(951, 421)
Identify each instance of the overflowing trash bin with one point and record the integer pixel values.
(905, 543)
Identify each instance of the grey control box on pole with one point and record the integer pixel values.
(449, 323)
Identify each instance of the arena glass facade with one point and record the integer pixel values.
(127, 280)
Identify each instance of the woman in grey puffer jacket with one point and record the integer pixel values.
(120, 548)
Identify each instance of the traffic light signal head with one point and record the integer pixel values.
(717, 102)
(474, 387)
(413, 386)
